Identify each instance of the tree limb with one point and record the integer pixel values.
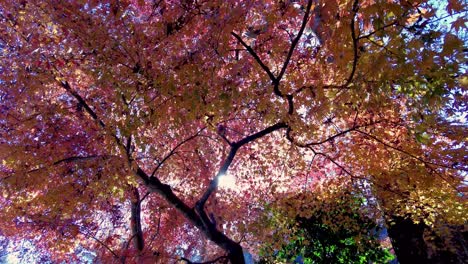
(227, 162)
(355, 44)
(407, 153)
(354, 128)
(233, 249)
(172, 152)
(257, 58)
(101, 243)
(294, 44)
(355, 176)
(81, 101)
(82, 158)
(137, 232)
(86, 106)
(206, 262)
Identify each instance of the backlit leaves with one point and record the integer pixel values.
(96, 92)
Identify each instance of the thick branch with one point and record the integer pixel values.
(257, 58)
(260, 134)
(233, 249)
(355, 44)
(227, 162)
(88, 109)
(155, 185)
(290, 99)
(295, 41)
(222, 171)
(82, 102)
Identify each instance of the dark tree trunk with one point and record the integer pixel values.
(410, 246)
(407, 241)
(236, 254)
(137, 233)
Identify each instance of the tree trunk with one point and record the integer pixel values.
(236, 254)
(137, 233)
(410, 246)
(407, 240)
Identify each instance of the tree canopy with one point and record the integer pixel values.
(339, 230)
(121, 120)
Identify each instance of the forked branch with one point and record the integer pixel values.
(173, 151)
(233, 249)
(227, 162)
(256, 57)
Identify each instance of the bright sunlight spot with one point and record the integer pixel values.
(227, 181)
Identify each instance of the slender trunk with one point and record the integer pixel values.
(137, 233)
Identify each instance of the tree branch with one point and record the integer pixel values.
(233, 249)
(81, 101)
(294, 43)
(68, 88)
(173, 151)
(355, 44)
(406, 152)
(257, 58)
(260, 134)
(354, 176)
(227, 162)
(102, 244)
(379, 29)
(165, 191)
(354, 128)
(155, 185)
(81, 158)
(276, 80)
(206, 262)
(136, 220)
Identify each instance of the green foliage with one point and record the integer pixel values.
(317, 241)
(101, 97)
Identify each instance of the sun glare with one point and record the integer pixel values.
(227, 181)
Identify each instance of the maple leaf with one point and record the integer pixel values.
(119, 120)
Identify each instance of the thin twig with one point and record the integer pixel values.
(100, 242)
(406, 152)
(173, 151)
